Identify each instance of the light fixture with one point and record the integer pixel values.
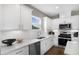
(57, 7)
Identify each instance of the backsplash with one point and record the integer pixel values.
(14, 34)
(26, 35)
(34, 34)
(75, 38)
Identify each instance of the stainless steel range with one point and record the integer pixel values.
(63, 38)
(65, 34)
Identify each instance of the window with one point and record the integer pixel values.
(36, 22)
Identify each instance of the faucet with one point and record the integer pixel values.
(38, 33)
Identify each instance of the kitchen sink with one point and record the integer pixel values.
(40, 37)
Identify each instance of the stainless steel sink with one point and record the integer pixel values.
(40, 37)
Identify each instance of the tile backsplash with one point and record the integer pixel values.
(10, 34)
(26, 35)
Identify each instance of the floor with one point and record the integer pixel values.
(55, 51)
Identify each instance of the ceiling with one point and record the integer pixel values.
(54, 9)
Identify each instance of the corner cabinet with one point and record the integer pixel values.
(46, 44)
(15, 16)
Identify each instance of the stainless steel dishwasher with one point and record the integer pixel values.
(34, 49)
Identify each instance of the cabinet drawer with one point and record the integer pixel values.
(20, 51)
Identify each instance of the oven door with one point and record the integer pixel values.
(62, 41)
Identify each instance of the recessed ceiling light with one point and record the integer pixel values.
(57, 7)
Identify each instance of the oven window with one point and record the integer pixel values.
(62, 42)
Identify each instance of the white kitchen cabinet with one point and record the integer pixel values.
(55, 23)
(49, 23)
(46, 45)
(21, 51)
(11, 16)
(51, 40)
(67, 20)
(43, 47)
(49, 43)
(1, 20)
(75, 22)
(14, 17)
(55, 41)
(26, 17)
(55, 37)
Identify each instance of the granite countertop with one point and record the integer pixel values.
(5, 49)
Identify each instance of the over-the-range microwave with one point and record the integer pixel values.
(65, 26)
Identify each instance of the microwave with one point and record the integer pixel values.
(65, 26)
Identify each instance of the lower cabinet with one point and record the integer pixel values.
(43, 47)
(20, 51)
(38, 48)
(46, 45)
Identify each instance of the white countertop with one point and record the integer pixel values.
(72, 48)
(5, 49)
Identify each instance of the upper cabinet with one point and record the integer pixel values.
(11, 17)
(26, 17)
(1, 20)
(75, 22)
(49, 23)
(56, 22)
(15, 17)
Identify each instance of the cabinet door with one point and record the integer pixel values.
(26, 17)
(43, 47)
(75, 22)
(1, 19)
(21, 51)
(55, 24)
(46, 45)
(11, 16)
(55, 38)
(49, 23)
(68, 20)
(49, 43)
